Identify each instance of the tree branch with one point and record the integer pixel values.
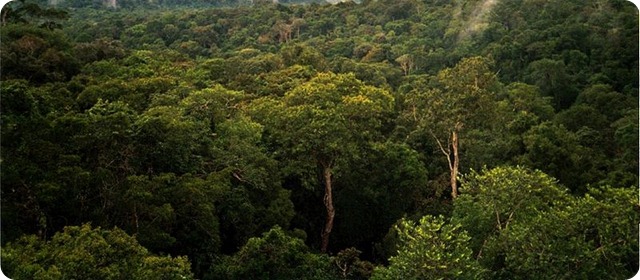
(446, 153)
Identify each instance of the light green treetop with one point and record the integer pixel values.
(82, 252)
(431, 249)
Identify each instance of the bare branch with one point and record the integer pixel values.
(445, 152)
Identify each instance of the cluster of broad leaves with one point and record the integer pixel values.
(157, 143)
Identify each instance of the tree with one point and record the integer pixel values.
(386, 184)
(530, 106)
(323, 123)
(556, 151)
(553, 80)
(275, 255)
(303, 54)
(462, 96)
(28, 157)
(493, 200)
(283, 30)
(626, 139)
(29, 12)
(280, 81)
(431, 249)
(595, 236)
(406, 63)
(349, 266)
(212, 105)
(37, 54)
(498, 140)
(514, 214)
(173, 214)
(255, 200)
(83, 252)
(167, 140)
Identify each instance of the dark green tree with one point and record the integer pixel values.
(275, 255)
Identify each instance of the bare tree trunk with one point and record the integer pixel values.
(4, 16)
(453, 160)
(454, 165)
(328, 203)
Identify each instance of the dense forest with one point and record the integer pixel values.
(379, 139)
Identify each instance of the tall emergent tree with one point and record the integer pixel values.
(323, 124)
(459, 96)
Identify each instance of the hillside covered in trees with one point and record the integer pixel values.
(404, 139)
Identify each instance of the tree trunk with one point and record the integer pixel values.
(4, 16)
(328, 203)
(454, 164)
(453, 160)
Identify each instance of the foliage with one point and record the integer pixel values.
(349, 266)
(322, 123)
(516, 214)
(555, 150)
(197, 126)
(389, 182)
(593, 236)
(493, 200)
(82, 252)
(36, 54)
(275, 255)
(457, 99)
(431, 249)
